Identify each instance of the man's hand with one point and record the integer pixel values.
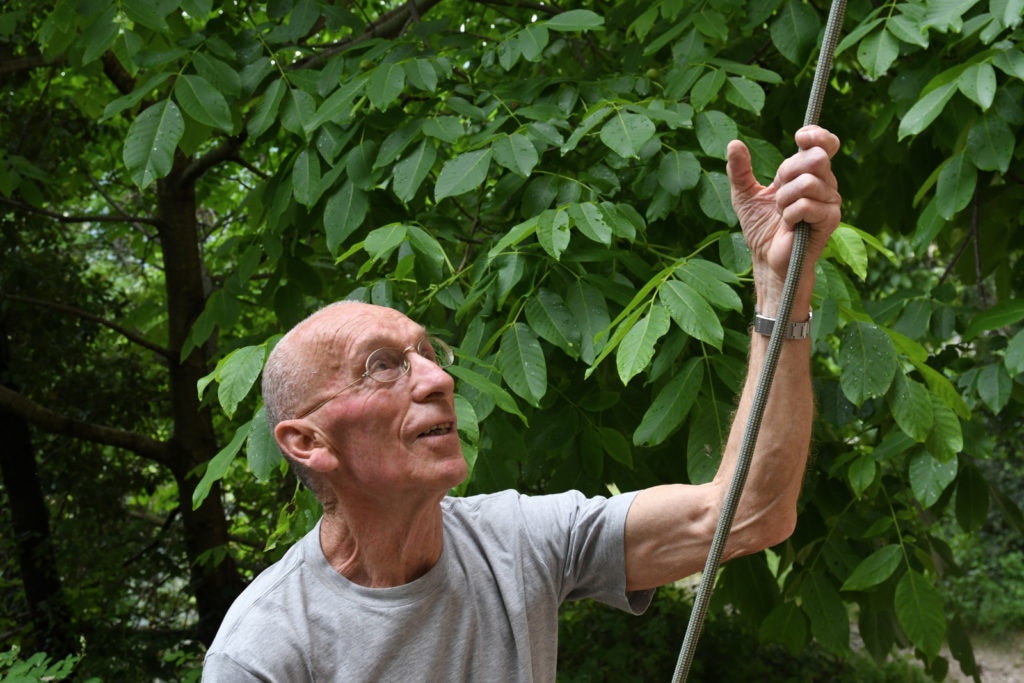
(804, 189)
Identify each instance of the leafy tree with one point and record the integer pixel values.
(546, 189)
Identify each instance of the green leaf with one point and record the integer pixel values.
(678, 171)
(532, 41)
(151, 141)
(978, 83)
(712, 282)
(745, 94)
(265, 113)
(925, 110)
(221, 76)
(306, 177)
(691, 312)
(575, 20)
(380, 243)
(589, 122)
(516, 234)
(218, 466)
(298, 112)
(956, 184)
(462, 174)
(615, 444)
(715, 197)
(237, 373)
(867, 359)
(421, 74)
(501, 398)
(261, 449)
(994, 386)
(907, 30)
(100, 35)
(551, 320)
(516, 153)
(911, 406)
(920, 612)
(669, 408)
(877, 52)
(786, 625)
(410, 172)
(625, 133)
(637, 348)
(708, 428)
(152, 15)
(1014, 357)
(344, 212)
(707, 87)
(203, 102)
(522, 363)
(946, 439)
(715, 131)
(862, 474)
(847, 246)
(990, 143)
(589, 219)
(930, 476)
(795, 31)
(874, 569)
(553, 232)
(1005, 313)
(590, 310)
(830, 624)
(385, 84)
(972, 498)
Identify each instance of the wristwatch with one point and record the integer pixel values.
(765, 326)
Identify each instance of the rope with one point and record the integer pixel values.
(796, 261)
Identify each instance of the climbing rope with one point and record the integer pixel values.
(796, 261)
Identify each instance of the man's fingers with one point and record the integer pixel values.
(816, 136)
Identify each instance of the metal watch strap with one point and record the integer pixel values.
(802, 330)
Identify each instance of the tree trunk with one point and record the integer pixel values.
(215, 582)
(48, 610)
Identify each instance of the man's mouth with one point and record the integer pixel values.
(439, 429)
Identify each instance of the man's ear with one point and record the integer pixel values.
(303, 443)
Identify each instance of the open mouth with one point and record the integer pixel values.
(439, 429)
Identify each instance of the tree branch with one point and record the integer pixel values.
(62, 218)
(9, 66)
(57, 423)
(389, 25)
(225, 151)
(130, 335)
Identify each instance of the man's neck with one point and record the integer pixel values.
(384, 546)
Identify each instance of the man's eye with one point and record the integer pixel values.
(385, 364)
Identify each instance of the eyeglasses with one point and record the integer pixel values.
(388, 364)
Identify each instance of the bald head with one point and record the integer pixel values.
(310, 357)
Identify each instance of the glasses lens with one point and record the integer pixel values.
(386, 365)
(436, 350)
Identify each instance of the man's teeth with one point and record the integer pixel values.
(438, 429)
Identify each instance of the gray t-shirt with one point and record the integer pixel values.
(487, 611)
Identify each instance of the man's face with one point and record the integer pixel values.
(395, 437)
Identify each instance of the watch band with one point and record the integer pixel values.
(765, 326)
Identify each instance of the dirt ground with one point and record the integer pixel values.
(1000, 661)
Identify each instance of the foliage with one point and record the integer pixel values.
(546, 190)
(38, 667)
(597, 643)
(991, 586)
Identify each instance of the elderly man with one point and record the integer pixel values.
(400, 581)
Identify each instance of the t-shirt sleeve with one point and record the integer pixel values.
(588, 541)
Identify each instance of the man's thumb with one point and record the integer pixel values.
(740, 170)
